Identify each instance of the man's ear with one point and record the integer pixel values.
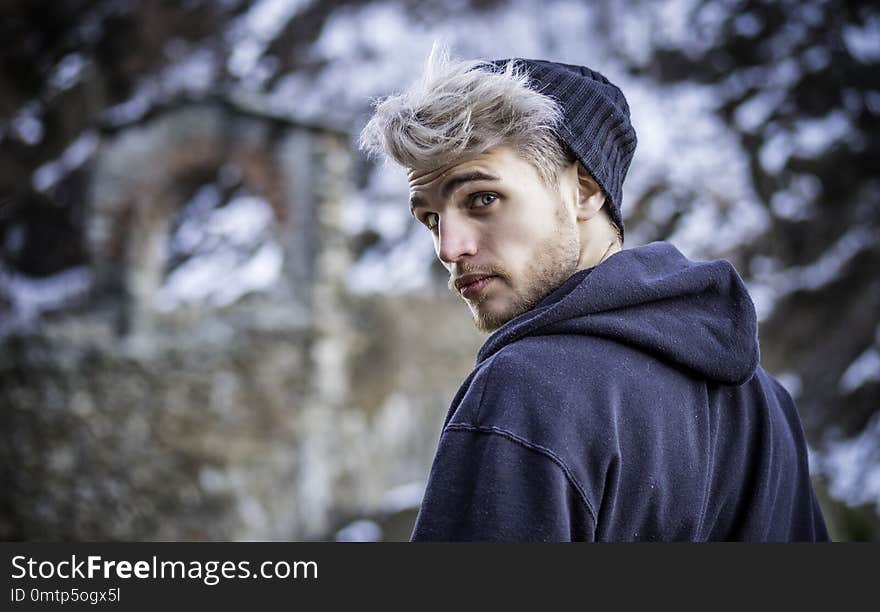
(590, 197)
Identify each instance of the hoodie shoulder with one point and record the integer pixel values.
(537, 383)
(694, 315)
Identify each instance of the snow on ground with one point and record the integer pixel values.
(362, 530)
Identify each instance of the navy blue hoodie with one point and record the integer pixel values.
(628, 405)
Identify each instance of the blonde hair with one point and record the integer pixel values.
(462, 108)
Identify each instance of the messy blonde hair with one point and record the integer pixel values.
(462, 108)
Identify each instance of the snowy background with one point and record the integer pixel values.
(758, 142)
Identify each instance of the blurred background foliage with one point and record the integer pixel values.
(218, 322)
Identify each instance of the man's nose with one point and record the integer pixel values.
(455, 240)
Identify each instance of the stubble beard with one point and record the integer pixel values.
(556, 259)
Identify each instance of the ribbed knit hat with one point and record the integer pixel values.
(596, 125)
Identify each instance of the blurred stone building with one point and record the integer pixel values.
(208, 378)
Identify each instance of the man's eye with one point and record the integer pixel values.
(431, 220)
(484, 199)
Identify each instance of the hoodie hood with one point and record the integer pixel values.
(696, 315)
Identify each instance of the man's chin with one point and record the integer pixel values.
(491, 313)
(488, 321)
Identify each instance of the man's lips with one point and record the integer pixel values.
(470, 285)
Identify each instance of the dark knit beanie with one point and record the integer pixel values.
(596, 125)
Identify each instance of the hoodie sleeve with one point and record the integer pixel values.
(488, 484)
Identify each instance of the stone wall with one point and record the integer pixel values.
(281, 416)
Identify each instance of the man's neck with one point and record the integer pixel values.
(597, 251)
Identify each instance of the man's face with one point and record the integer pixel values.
(505, 237)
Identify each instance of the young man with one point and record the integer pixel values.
(620, 396)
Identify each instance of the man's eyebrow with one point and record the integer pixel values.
(453, 183)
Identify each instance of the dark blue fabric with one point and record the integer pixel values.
(628, 405)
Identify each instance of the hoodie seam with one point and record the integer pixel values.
(710, 465)
(542, 450)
